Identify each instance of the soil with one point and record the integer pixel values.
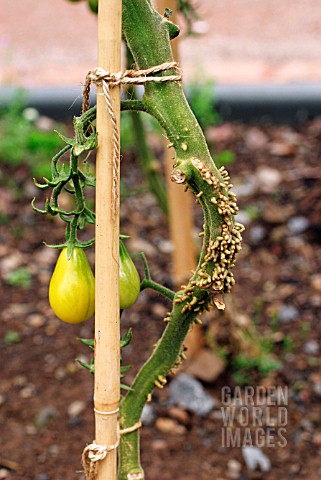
(43, 431)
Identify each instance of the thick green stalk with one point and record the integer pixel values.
(148, 36)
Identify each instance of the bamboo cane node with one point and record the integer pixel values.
(131, 429)
(113, 412)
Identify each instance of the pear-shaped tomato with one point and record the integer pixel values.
(72, 287)
(129, 281)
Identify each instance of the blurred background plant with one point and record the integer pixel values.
(26, 138)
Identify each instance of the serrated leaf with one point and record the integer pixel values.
(125, 387)
(90, 342)
(126, 338)
(90, 216)
(69, 141)
(90, 367)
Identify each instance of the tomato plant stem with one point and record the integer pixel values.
(148, 36)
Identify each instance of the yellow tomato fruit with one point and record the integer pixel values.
(72, 287)
(129, 281)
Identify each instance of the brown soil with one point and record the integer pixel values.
(278, 268)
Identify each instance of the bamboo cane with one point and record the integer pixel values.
(181, 221)
(107, 329)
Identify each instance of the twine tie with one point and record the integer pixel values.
(108, 80)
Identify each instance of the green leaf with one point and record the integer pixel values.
(69, 141)
(90, 342)
(90, 367)
(125, 387)
(124, 369)
(126, 338)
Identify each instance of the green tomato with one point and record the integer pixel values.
(93, 5)
(129, 281)
(72, 287)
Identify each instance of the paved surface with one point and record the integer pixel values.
(53, 42)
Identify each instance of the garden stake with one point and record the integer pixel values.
(107, 328)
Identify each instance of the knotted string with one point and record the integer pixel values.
(107, 81)
(94, 453)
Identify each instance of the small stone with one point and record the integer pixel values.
(44, 416)
(268, 179)
(278, 337)
(206, 365)
(28, 391)
(311, 347)
(159, 310)
(74, 421)
(36, 320)
(187, 392)
(42, 476)
(255, 139)
(306, 424)
(11, 262)
(159, 444)
(148, 415)
(4, 474)
(317, 388)
(315, 378)
(76, 408)
(60, 373)
(30, 430)
(169, 426)
(295, 468)
(282, 149)
(140, 245)
(165, 246)
(297, 225)
(243, 217)
(245, 189)
(288, 313)
(54, 450)
(255, 458)
(316, 282)
(317, 439)
(234, 469)
(257, 234)
(180, 415)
